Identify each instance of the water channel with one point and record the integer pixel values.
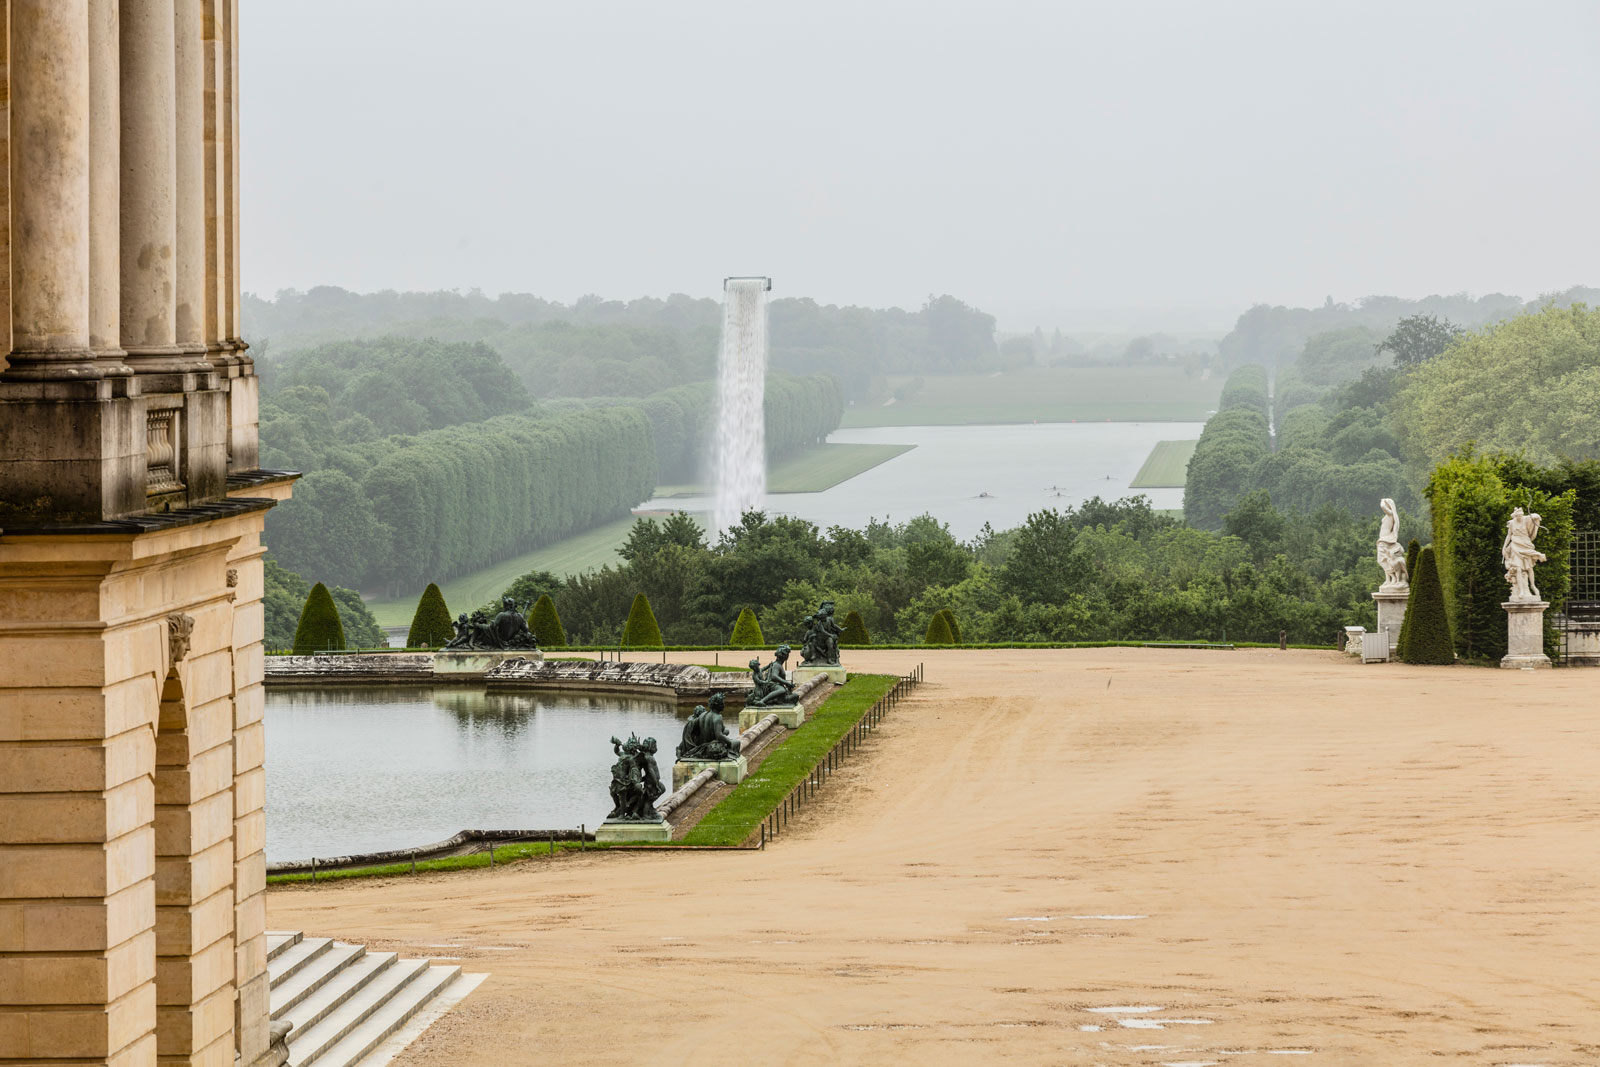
(969, 475)
(363, 769)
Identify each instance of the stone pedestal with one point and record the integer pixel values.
(1582, 645)
(790, 715)
(1525, 634)
(624, 832)
(470, 665)
(1352, 639)
(835, 674)
(732, 771)
(1391, 613)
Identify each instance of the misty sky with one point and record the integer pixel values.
(1088, 165)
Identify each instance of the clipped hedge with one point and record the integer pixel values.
(320, 629)
(1426, 636)
(855, 630)
(938, 632)
(430, 625)
(641, 630)
(545, 622)
(955, 627)
(747, 630)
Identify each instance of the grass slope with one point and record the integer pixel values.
(742, 810)
(1049, 394)
(813, 470)
(1167, 466)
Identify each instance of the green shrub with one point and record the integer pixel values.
(747, 631)
(955, 627)
(855, 630)
(1428, 640)
(430, 626)
(1413, 550)
(319, 627)
(545, 622)
(641, 630)
(938, 632)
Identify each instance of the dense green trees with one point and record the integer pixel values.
(1103, 571)
(284, 597)
(545, 622)
(746, 631)
(430, 624)
(641, 630)
(1235, 440)
(1425, 638)
(1530, 385)
(319, 628)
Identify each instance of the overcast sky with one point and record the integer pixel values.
(1087, 165)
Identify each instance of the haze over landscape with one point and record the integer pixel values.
(1110, 166)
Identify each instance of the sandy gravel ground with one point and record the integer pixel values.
(1109, 856)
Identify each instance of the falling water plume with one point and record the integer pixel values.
(739, 463)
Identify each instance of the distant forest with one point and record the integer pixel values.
(596, 347)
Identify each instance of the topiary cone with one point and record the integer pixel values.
(1413, 552)
(955, 627)
(320, 629)
(641, 630)
(545, 622)
(430, 625)
(855, 630)
(747, 631)
(1428, 637)
(938, 632)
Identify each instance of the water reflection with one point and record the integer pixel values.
(364, 768)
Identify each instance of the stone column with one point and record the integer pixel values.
(149, 184)
(49, 179)
(105, 189)
(1525, 634)
(235, 332)
(190, 201)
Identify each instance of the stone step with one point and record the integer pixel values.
(335, 990)
(279, 941)
(307, 1045)
(389, 1018)
(296, 956)
(312, 977)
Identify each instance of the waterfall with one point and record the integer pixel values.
(739, 462)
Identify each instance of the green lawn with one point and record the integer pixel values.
(1167, 466)
(584, 552)
(738, 814)
(813, 470)
(1049, 394)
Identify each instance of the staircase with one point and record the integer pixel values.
(345, 1002)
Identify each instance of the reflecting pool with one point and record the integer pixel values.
(363, 769)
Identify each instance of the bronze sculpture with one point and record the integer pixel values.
(507, 631)
(635, 781)
(820, 645)
(705, 736)
(772, 685)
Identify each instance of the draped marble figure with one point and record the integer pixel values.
(1391, 553)
(1520, 555)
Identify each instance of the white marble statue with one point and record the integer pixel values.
(1519, 554)
(1391, 553)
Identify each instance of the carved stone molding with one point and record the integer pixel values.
(233, 577)
(179, 627)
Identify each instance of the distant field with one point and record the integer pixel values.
(1049, 394)
(817, 468)
(585, 552)
(1167, 466)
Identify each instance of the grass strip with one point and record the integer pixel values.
(741, 811)
(512, 853)
(1167, 466)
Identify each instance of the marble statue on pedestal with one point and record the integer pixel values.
(1520, 556)
(1391, 553)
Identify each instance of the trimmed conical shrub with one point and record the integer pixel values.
(319, 629)
(938, 631)
(430, 626)
(747, 631)
(545, 622)
(855, 631)
(1413, 550)
(1427, 634)
(955, 627)
(641, 630)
